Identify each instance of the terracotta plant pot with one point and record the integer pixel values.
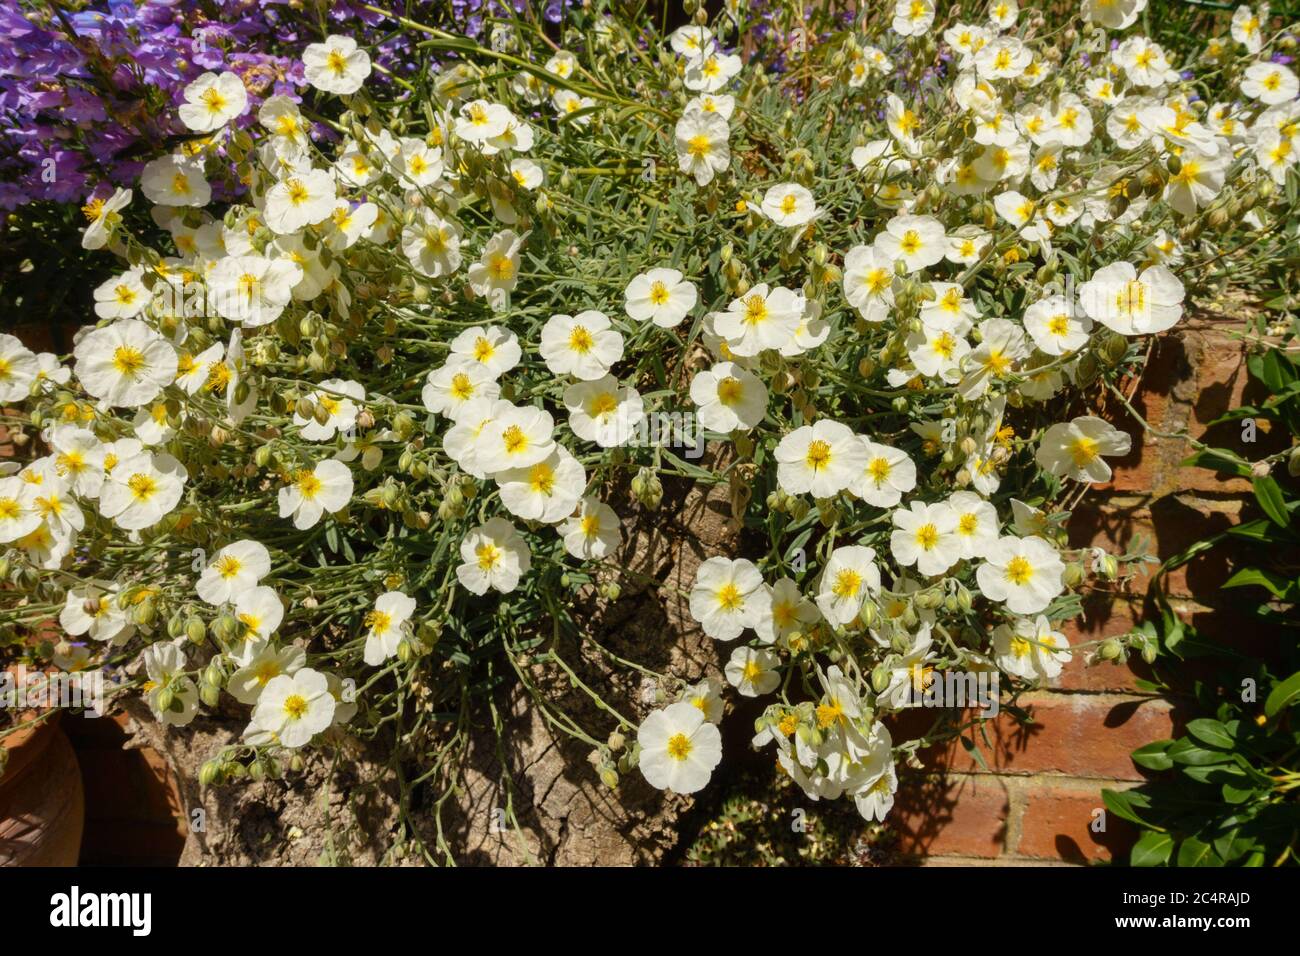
(42, 805)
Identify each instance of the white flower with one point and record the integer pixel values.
(718, 103)
(164, 663)
(849, 578)
(450, 389)
(977, 523)
(1055, 325)
(1026, 573)
(593, 533)
(1120, 299)
(785, 611)
(1031, 649)
(1144, 62)
(336, 66)
(1245, 28)
(122, 297)
(212, 101)
(1198, 180)
(432, 244)
(602, 412)
(125, 364)
(789, 205)
(949, 310)
(175, 181)
(92, 610)
(1270, 83)
(18, 369)
(753, 671)
(912, 18)
(495, 348)
(761, 319)
(386, 625)
(294, 708)
(887, 475)
(869, 282)
(103, 217)
(1074, 449)
(1113, 14)
(303, 199)
(421, 165)
(661, 296)
(1002, 59)
(583, 345)
(526, 173)
(546, 491)
(679, 748)
(140, 491)
(729, 398)
(233, 570)
(702, 147)
(260, 611)
(495, 274)
(918, 241)
(338, 399)
(690, 41)
(260, 663)
(252, 290)
(516, 437)
(925, 535)
(314, 491)
(494, 556)
(481, 121)
(821, 459)
(711, 70)
(727, 597)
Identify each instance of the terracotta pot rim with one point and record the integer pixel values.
(26, 745)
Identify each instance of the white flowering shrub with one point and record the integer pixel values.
(335, 447)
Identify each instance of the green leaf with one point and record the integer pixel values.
(1152, 849)
(974, 751)
(1218, 459)
(1278, 586)
(1269, 495)
(1188, 754)
(1210, 731)
(1283, 695)
(1122, 803)
(1194, 852)
(1154, 756)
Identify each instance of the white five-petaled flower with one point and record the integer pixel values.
(233, 570)
(849, 578)
(1074, 449)
(703, 150)
(125, 364)
(494, 556)
(661, 296)
(925, 535)
(821, 459)
(386, 625)
(294, 708)
(212, 101)
(585, 345)
(789, 205)
(1026, 573)
(593, 532)
(679, 748)
(311, 492)
(729, 397)
(1132, 304)
(728, 597)
(336, 66)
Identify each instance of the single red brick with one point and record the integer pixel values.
(1082, 735)
(1058, 820)
(951, 814)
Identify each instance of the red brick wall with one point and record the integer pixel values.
(1041, 795)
